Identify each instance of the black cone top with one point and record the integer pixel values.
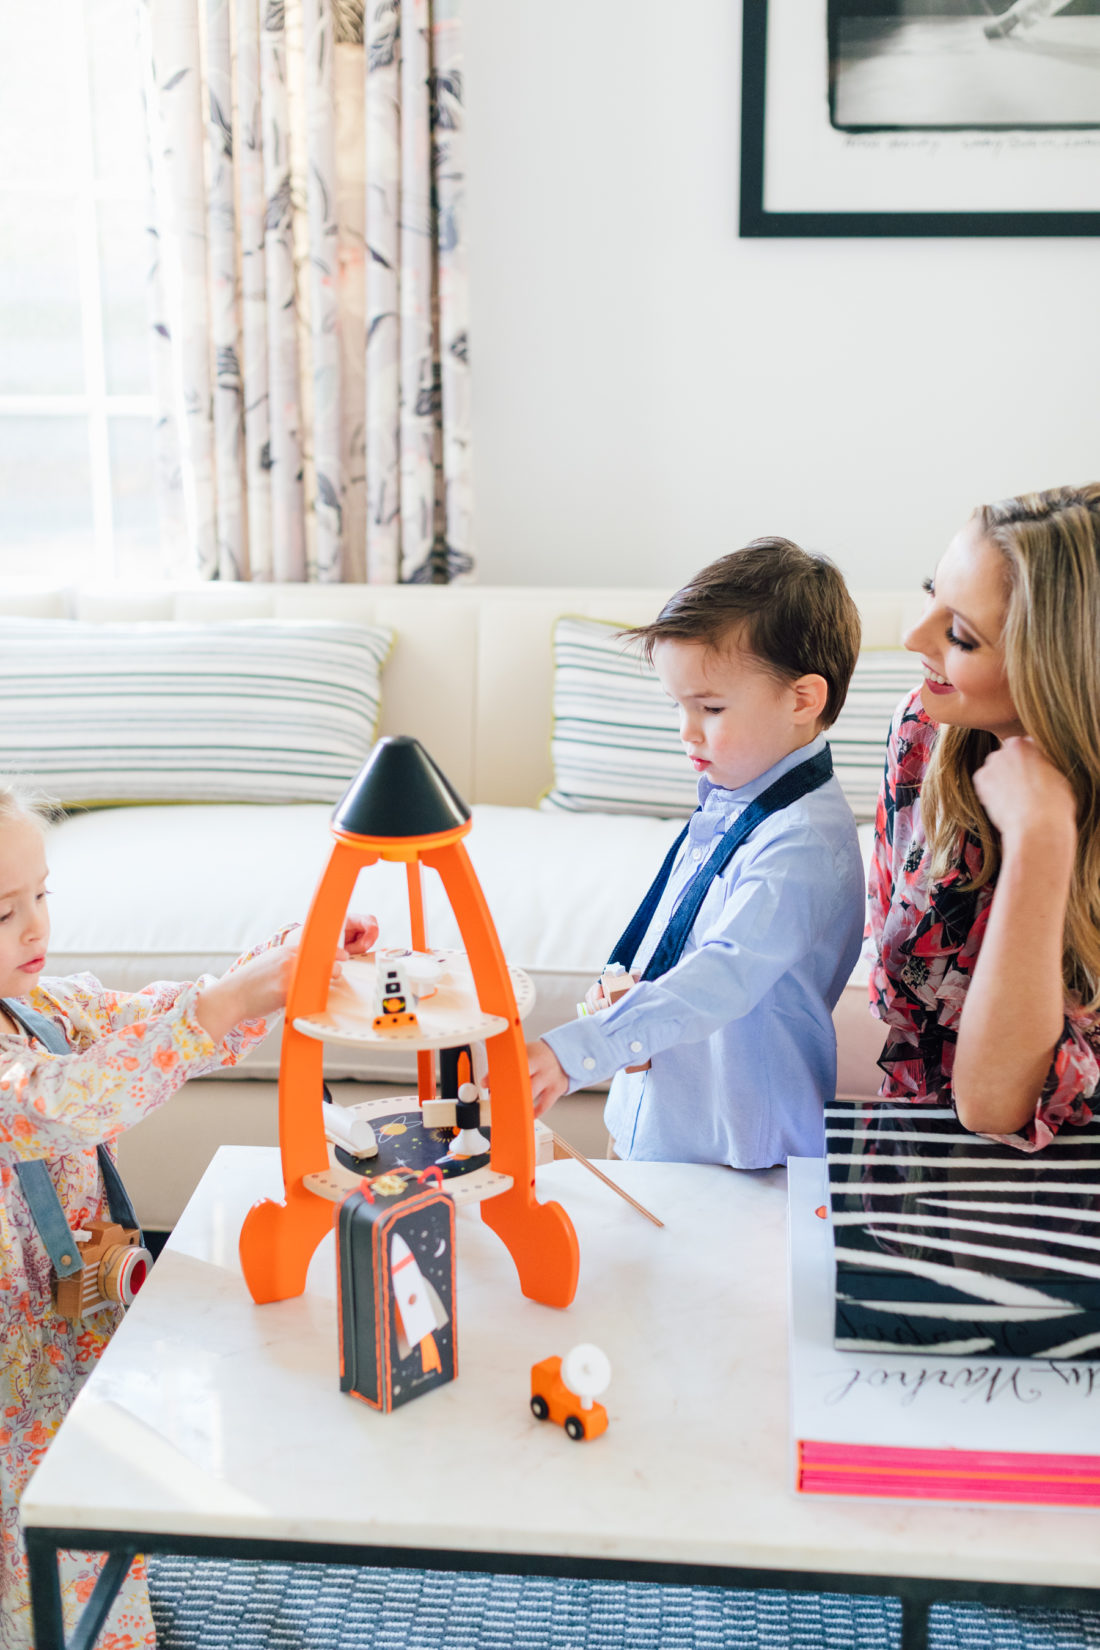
(399, 792)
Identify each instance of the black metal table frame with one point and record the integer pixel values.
(915, 1593)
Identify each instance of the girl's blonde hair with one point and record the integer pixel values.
(1050, 542)
(18, 802)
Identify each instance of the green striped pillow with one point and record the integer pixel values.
(616, 746)
(254, 711)
(858, 736)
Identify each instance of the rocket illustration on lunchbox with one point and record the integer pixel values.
(419, 1309)
(396, 1275)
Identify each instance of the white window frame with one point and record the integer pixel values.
(95, 405)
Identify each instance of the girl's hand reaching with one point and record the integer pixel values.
(360, 934)
(259, 987)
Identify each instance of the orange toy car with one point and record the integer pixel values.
(552, 1400)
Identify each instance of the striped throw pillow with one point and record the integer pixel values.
(255, 711)
(615, 745)
(858, 736)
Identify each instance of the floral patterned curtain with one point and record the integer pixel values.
(308, 286)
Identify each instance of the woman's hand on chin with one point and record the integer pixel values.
(1028, 799)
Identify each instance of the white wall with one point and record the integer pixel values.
(650, 391)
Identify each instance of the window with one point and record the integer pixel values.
(77, 483)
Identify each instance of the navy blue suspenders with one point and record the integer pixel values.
(796, 783)
(34, 1177)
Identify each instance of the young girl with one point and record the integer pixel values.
(129, 1054)
(985, 886)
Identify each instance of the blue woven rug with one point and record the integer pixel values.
(211, 1604)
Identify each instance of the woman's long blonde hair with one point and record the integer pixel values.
(1051, 546)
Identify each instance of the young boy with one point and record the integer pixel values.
(743, 951)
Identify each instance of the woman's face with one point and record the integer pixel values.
(959, 639)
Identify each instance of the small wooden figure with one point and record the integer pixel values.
(469, 1141)
(615, 982)
(394, 1005)
(115, 1267)
(345, 1129)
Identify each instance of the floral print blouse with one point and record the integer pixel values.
(926, 939)
(130, 1052)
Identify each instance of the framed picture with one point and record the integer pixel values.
(920, 117)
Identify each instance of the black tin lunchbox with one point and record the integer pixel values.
(395, 1263)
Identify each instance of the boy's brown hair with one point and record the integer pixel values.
(789, 608)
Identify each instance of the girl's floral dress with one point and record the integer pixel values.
(926, 938)
(130, 1053)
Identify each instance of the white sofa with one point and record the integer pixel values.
(164, 892)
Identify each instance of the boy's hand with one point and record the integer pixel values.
(360, 934)
(594, 999)
(548, 1079)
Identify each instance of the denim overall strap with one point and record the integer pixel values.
(627, 947)
(34, 1177)
(793, 785)
(49, 1217)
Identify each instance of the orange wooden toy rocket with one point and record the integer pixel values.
(401, 807)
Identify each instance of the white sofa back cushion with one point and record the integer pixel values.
(616, 739)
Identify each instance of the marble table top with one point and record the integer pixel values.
(209, 1415)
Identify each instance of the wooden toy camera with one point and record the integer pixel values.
(115, 1267)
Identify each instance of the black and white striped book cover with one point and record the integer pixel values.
(906, 1422)
(952, 1242)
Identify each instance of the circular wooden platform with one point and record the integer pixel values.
(404, 1142)
(448, 1018)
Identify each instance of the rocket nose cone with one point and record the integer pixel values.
(399, 792)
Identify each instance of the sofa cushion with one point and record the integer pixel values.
(616, 743)
(256, 711)
(880, 682)
(194, 887)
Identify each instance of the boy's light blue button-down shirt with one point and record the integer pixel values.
(740, 1031)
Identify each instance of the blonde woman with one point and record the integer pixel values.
(985, 885)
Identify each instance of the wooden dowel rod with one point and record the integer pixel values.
(571, 1151)
(417, 927)
(425, 1059)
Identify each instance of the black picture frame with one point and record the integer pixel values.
(756, 220)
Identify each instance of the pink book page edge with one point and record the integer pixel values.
(1027, 1493)
(1018, 1463)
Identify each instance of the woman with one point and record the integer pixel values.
(985, 884)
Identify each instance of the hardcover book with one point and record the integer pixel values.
(868, 1420)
